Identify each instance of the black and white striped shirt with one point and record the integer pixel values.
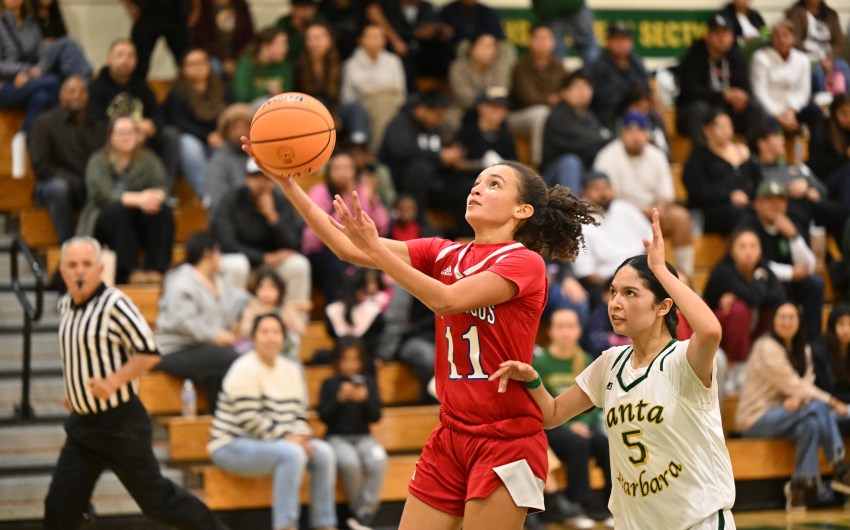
(95, 339)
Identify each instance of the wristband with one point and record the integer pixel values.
(533, 384)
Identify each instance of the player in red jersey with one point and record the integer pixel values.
(484, 465)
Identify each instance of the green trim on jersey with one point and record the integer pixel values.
(626, 349)
(721, 521)
(640, 379)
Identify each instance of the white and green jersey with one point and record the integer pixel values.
(669, 463)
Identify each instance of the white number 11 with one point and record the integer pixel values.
(471, 336)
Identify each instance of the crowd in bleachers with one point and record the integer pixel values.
(423, 99)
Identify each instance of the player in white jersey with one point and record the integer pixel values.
(669, 464)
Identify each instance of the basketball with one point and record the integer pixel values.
(293, 134)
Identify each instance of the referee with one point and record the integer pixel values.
(105, 346)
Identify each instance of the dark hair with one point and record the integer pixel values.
(264, 37)
(539, 25)
(347, 342)
(119, 41)
(266, 273)
(574, 76)
(839, 360)
(197, 244)
(711, 116)
(797, 353)
(836, 134)
(262, 316)
(640, 264)
(554, 229)
(634, 95)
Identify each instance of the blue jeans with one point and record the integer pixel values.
(60, 200)
(35, 96)
(566, 171)
(193, 161)
(362, 464)
(811, 426)
(580, 27)
(355, 121)
(286, 462)
(818, 75)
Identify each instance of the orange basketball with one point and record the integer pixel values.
(293, 134)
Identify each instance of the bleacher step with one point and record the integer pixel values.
(11, 310)
(44, 351)
(23, 496)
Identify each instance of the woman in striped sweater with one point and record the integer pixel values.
(260, 428)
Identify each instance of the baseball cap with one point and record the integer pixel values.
(433, 99)
(771, 188)
(495, 95)
(717, 20)
(618, 28)
(591, 175)
(251, 167)
(635, 119)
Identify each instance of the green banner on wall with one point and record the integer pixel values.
(657, 33)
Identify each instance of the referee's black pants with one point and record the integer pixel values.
(118, 440)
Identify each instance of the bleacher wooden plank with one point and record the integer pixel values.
(315, 338)
(160, 394)
(225, 491)
(37, 228)
(10, 123)
(145, 297)
(681, 193)
(399, 429)
(17, 194)
(764, 458)
(708, 249)
(680, 149)
(187, 221)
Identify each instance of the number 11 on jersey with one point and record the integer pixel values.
(471, 338)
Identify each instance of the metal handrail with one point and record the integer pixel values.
(32, 314)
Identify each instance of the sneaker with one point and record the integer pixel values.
(534, 522)
(580, 522)
(795, 496)
(559, 508)
(608, 522)
(354, 524)
(841, 482)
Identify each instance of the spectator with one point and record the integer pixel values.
(831, 356)
(348, 404)
(573, 19)
(782, 81)
(119, 90)
(371, 169)
(582, 438)
(715, 73)
(49, 19)
(640, 174)
(260, 428)
(469, 18)
(742, 289)
(482, 62)
(264, 70)
(224, 29)
(720, 175)
(565, 291)
(197, 310)
(622, 228)
(829, 150)
(617, 73)
(125, 204)
(535, 86)
(152, 19)
(375, 78)
(193, 106)
(807, 194)
(342, 181)
(360, 310)
(424, 36)
(405, 225)
(787, 253)
(642, 102)
(347, 18)
(413, 147)
(572, 136)
(318, 72)
(302, 13)
(747, 23)
(484, 140)
(819, 35)
(63, 140)
(258, 227)
(780, 399)
(226, 168)
(408, 335)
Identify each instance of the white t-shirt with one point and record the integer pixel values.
(619, 236)
(643, 180)
(669, 461)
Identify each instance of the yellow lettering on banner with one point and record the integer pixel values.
(673, 34)
(652, 34)
(600, 30)
(517, 31)
(698, 31)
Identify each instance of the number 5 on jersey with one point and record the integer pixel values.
(471, 338)
(642, 455)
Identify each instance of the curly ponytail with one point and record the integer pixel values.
(554, 230)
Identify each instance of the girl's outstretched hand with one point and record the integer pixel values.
(655, 248)
(513, 370)
(286, 182)
(359, 227)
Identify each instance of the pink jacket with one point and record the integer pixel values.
(310, 242)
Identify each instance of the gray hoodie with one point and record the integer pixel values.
(189, 314)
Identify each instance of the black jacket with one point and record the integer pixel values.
(135, 96)
(349, 417)
(566, 132)
(60, 146)
(613, 84)
(695, 77)
(823, 157)
(724, 278)
(710, 179)
(407, 142)
(753, 16)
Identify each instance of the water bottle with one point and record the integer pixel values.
(189, 400)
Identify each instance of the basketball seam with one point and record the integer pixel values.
(332, 129)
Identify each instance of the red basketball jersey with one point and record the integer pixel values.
(472, 345)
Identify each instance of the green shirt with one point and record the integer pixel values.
(252, 81)
(558, 375)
